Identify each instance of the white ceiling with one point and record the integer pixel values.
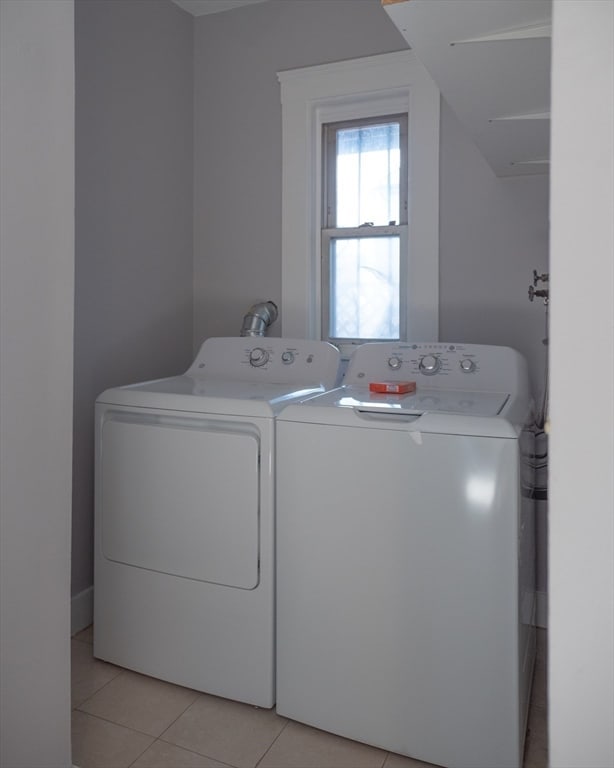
(491, 62)
(201, 7)
(499, 84)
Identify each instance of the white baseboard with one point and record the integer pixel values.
(541, 609)
(81, 610)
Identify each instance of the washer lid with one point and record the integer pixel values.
(197, 395)
(450, 412)
(424, 400)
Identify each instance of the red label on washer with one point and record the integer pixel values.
(392, 387)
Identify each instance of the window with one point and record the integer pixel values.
(364, 217)
(354, 270)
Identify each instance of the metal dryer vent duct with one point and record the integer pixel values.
(258, 318)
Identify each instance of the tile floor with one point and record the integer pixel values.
(125, 720)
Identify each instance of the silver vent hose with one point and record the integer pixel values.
(258, 318)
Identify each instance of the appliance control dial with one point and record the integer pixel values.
(258, 357)
(287, 357)
(467, 366)
(429, 365)
(395, 362)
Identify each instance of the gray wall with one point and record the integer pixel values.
(36, 364)
(237, 152)
(133, 307)
(493, 232)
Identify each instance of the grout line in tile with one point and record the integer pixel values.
(200, 754)
(97, 691)
(273, 742)
(384, 759)
(81, 640)
(183, 711)
(125, 727)
(185, 749)
(143, 752)
(113, 722)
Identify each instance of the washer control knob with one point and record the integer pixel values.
(395, 363)
(258, 357)
(287, 357)
(467, 366)
(429, 365)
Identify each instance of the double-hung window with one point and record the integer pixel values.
(360, 201)
(364, 216)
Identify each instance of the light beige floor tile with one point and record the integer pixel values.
(86, 635)
(143, 703)
(399, 761)
(88, 674)
(536, 758)
(300, 746)
(162, 755)
(536, 746)
(228, 731)
(99, 744)
(538, 723)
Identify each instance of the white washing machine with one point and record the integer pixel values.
(405, 549)
(184, 534)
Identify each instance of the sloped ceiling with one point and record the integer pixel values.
(201, 7)
(491, 61)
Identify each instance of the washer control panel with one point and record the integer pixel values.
(436, 365)
(268, 360)
(420, 359)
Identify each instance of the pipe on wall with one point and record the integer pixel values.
(258, 318)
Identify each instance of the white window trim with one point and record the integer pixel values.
(312, 96)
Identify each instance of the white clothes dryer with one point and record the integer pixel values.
(405, 548)
(184, 520)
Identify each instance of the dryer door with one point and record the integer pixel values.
(180, 495)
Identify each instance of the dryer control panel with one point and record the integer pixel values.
(439, 365)
(268, 360)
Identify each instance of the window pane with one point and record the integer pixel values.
(368, 173)
(364, 288)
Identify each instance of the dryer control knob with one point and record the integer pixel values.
(258, 357)
(429, 365)
(467, 366)
(287, 357)
(395, 363)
